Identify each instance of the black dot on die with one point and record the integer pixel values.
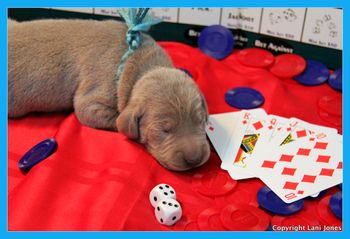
(174, 218)
(165, 193)
(171, 191)
(175, 205)
(167, 186)
(164, 202)
(155, 198)
(161, 220)
(158, 208)
(170, 204)
(160, 187)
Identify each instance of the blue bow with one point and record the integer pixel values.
(137, 21)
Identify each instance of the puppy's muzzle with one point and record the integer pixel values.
(195, 155)
(190, 154)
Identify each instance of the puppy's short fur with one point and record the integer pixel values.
(56, 65)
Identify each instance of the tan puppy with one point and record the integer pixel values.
(56, 65)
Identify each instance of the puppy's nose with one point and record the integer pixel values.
(193, 161)
(195, 155)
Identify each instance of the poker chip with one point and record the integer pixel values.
(209, 220)
(186, 224)
(213, 183)
(335, 120)
(335, 204)
(295, 223)
(315, 73)
(255, 57)
(238, 196)
(186, 71)
(340, 186)
(335, 80)
(244, 98)
(269, 201)
(331, 104)
(288, 65)
(244, 192)
(36, 154)
(243, 217)
(216, 41)
(325, 213)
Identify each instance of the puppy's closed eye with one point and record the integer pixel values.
(159, 131)
(167, 127)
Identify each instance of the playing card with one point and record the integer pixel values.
(301, 168)
(297, 129)
(276, 123)
(242, 142)
(283, 132)
(271, 126)
(315, 195)
(255, 135)
(239, 173)
(219, 130)
(247, 138)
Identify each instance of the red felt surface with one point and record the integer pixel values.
(99, 180)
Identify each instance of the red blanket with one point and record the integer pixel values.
(99, 180)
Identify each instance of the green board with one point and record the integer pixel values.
(188, 34)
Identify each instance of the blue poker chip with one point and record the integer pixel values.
(269, 201)
(186, 71)
(315, 73)
(335, 80)
(36, 154)
(336, 204)
(340, 186)
(244, 98)
(216, 41)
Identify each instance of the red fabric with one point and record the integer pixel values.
(99, 180)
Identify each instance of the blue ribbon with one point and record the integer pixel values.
(137, 21)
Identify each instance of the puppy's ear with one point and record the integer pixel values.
(205, 107)
(128, 121)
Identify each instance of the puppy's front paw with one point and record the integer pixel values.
(97, 115)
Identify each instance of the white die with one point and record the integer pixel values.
(161, 191)
(168, 211)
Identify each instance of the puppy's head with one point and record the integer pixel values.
(167, 113)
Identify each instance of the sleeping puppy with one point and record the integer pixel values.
(56, 65)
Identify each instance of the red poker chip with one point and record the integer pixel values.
(209, 220)
(331, 104)
(213, 183)
(243, 217)
(334, 120)
(296, 222)
(325, 214)
(288, 65)
(239, 195)
(255, 57)
(186, 224)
